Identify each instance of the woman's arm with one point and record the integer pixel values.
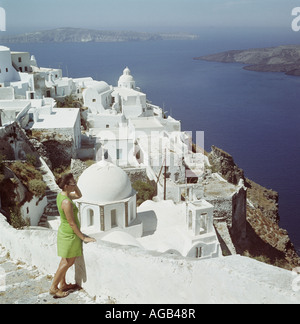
(76, 194)
(68, 209)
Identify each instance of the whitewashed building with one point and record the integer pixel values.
(10, 75)
(59, 124)
(201, 235)
(108, 201)
(108, 211)
(50, 83)
(22, 61)
(97, 97)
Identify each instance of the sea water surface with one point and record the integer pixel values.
(253, 116)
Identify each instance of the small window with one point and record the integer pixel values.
(26, 69)
(20, 59)
(90, 220)
(94, 100)
(119, 154)
(107, 126)
(20, 69)
(190, 220)
(105, 154)
(198, 252)
(131, 212)
(6, 69)
(113, 214)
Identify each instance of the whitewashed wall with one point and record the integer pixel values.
(131, 275)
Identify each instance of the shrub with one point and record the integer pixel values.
(89, 162)
(15, 219)
(2, 158)
(145, 191)
(30, 177)
(25, 172)
(37, 187)
(31, 159)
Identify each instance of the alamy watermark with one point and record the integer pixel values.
(153, 148)
(2, 19)
(296, 21)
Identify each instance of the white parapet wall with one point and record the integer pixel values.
(133, 275)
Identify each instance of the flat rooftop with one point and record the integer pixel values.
(146, 122)
(17, 105)
(59, 118)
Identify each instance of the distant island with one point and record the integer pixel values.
(79, 35)
(274, 59)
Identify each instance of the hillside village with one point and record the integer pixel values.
(146, 184)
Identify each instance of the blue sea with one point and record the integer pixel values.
(253, 116)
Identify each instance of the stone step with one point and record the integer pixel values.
(43, 221)
(50, 209)
(53, 188)
(50, 192)
(52, 213)
(52, 201)
(23, 284)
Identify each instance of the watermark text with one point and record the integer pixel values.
(296, 21)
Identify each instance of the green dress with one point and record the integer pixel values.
(69, 245)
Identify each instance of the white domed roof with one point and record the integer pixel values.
(104, 182)
(102, 86)
(6, 49)
(127, 71)
(126, 77)
(99, 86)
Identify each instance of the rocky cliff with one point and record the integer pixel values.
(264, 240)
(274, 59)
(223, 163)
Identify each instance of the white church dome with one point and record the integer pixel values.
(104, 182)
(126, 80)
(127, 71)
(4, 49)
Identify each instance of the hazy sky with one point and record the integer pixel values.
(146, 15)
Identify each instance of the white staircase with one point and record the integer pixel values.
(23, 284)
(51, 194)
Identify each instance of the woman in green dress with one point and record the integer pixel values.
(69, 238)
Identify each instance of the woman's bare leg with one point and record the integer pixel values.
(60, 275)
(63, 284)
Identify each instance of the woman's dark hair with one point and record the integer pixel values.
(64, 180)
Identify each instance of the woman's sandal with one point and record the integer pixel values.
(57, 293)
(70, 287)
